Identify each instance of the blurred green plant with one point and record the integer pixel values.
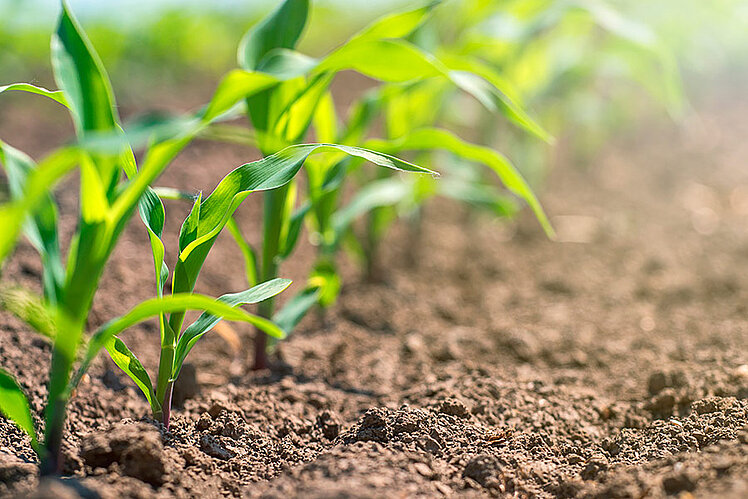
(112, 187)
(283, 115)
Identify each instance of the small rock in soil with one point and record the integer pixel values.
(453, 407)
(13, 469)
(136, 447)
(212, 447)
(678, 482)
(329, 424)
(484, 469)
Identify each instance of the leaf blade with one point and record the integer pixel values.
(15, 406)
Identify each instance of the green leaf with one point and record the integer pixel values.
(15, 406)
(249, 254)
(129, 363)
(384, 192)
(295, 222)
(268, 173)
(325, 277)
(325, 119)
(281, 29)
(400, 61)
(81, 76)
(398, 25)
(167, 304)
(41, 228)
(435, 138)
(36, 190)
(296, 308)
(28, 307)
(236, 86)
(495, 100)
(56, 95)
(207, 321)
(153, 215)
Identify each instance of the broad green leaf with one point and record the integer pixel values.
(268, 173)
(167, 304)
(207, 321)
(93, 198)
(325, 277)
(41, 228)
(153, 215)
(384, 192)
(249, 254)
(129, 363)
(296, 308)
(400, 61)
(385, 60)
(398, 25)
(291, 236)
(434, 138)
(236, 86)
(509, 94)
(81, 76)
(15, 406)
(188, 231)
(35, 191)
(281, 29)
(56, 95)
(494, 99)
(325, 119)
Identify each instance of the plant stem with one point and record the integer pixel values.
(63, 355)
(164, 383)
(166, 406)
(272, 226)
(51, 459)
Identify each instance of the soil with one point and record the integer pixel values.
(489, 362)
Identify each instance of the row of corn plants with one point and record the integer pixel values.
(552, 56)
(283, 93)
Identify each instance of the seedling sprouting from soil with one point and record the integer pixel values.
(282, 115)
(112, 187)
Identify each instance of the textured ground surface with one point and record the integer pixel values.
(490, 362)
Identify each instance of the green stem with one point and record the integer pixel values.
(64, 350)
(273, 223)
(166, 367)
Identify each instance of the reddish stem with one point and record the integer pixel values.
(261, 356)
(166, 408)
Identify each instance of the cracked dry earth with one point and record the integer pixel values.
(490, 362)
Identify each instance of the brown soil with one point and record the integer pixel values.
(490, 362)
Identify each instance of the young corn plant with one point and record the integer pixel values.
(470, 36)
(282, 115)
(107, 202)
(112, 187)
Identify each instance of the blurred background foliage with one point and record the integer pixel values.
(583, 68)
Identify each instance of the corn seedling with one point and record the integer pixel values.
(107, 202)
(282, 115)
(112, 187)
(544, 56)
